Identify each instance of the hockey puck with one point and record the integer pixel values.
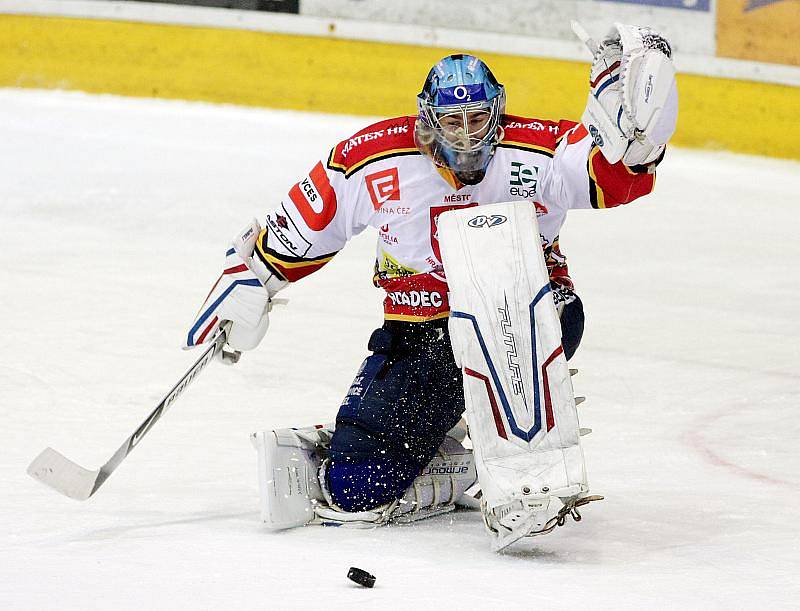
(361, 577)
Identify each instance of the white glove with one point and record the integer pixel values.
(242, 295)
(632, 108)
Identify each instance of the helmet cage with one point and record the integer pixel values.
(445, 131)
(461, 135)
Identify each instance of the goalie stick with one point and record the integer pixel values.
(57, 471)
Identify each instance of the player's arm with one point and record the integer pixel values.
(632, 107)
(309, 227)
(299, 236)
(610, 158)
(579, 176)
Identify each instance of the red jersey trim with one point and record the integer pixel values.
(574, 135)
(533, 134)
(388, 138)
(615, 184)
(350, 170)
(287, 267)
(545, 150)
(596, 195)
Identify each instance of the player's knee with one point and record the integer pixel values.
(404, 399)
(354, 443)
(365, 485)
(572, 321)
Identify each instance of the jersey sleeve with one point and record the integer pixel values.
(319, 214)
(580, 177)
(334, 202)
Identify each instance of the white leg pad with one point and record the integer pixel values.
(506, 337)
(291, 494)
(287, 473)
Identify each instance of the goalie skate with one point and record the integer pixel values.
(531, 516)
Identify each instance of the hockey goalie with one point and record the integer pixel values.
(481, 315)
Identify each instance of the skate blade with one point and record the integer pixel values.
(502, 540)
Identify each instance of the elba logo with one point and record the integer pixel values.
(522, 176)
(383, 186)
(598, 139)
(483, 220)
(523, 179)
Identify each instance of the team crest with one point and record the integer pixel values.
(383, 186)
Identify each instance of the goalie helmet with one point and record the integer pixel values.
(460, 107)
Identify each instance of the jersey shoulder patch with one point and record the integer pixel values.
(534, 134)
(388, 138)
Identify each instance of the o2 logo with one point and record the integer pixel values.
(483, 220)
(461, 93)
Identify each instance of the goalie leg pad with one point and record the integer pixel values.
(294, 489)
(507, 338)
(288, 465)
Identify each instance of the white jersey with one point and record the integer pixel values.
(379, 178)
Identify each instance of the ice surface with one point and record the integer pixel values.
(114, 219)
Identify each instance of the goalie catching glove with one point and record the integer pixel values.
(632, 108)
(242, 295)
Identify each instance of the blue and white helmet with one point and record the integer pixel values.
(460, 108)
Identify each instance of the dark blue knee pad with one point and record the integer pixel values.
(572, 321)
(363, 485)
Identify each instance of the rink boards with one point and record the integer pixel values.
(336, 75)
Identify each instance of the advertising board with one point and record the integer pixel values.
(759, 30)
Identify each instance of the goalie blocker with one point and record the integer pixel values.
(506, 338)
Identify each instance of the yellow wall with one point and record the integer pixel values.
(327, 75)
(769, 33)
